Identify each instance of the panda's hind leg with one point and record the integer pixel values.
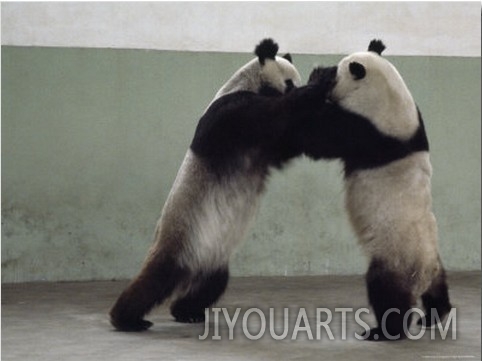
(204, 290)
(155, 283)
(390, 298)
(436, 300)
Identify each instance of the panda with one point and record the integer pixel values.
(217, 191)
(373, 125)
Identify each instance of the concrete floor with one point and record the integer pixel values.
(67, 321)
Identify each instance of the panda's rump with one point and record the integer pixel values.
(206, 216)
(173, 227)
(219, 223)
(395, 195)
(390, 210)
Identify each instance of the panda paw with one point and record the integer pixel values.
(189, 317)
(428, 320)
(132, 325)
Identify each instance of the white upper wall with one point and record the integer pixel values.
(409, 28)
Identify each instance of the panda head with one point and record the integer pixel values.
(276, 74)
(369, 85)
(266, 74)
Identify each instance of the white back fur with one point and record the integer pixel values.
(381, 96)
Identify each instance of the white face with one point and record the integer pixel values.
(279, 73)
(251, 76)
(369, 85)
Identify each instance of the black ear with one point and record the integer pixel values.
(358, 70)
(377, 46)
(288, 57)
(266, 49)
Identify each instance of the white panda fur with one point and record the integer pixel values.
(252, 75)
(374, 126)
(384, 86)
(206, 213)
(390, 210)
(216, 214)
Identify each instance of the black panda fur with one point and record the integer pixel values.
(267, 49)
(387, 181)
(376, 46)
(242, 134)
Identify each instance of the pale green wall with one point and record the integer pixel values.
(92, 140)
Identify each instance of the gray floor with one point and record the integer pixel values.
(67, 321)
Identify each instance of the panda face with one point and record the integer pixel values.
(371, 86)
(279, 74)
(267, 74)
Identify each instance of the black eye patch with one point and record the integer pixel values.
(357, 70)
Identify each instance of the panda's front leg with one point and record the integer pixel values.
(390, 300)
